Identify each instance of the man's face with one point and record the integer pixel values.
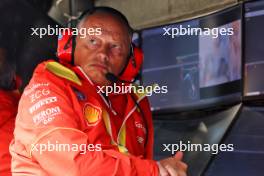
(100, 54)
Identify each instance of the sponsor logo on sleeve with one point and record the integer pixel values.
(30, 89)
(47, 115)
(41, 103)
(38, 94)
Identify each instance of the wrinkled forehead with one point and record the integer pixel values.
(109, 23)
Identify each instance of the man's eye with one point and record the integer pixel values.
(115, 46)
(93, 41)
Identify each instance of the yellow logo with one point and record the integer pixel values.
(92, 114)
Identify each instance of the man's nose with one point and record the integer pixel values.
(103, 54)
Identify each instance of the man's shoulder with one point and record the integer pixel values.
(50, 77)
(43, 78)
(45, 93)
(54, 71)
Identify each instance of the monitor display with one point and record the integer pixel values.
(254, 49)
(200, 67)
(172, 63)
(220, 57)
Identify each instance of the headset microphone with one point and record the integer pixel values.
(113, 78)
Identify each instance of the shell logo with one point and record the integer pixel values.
(92, 114)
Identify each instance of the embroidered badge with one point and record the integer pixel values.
(92, 114)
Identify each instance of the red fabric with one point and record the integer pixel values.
(119, 103)
(134, 65)
(8, 110)
(52, 109)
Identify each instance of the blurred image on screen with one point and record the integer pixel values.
(220, 57)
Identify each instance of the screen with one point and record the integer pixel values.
(254, 49)
(216, 65)
(172, 63)
(200, 66)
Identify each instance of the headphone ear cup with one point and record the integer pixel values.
(133, 60)
(64, 49)
(134, 65)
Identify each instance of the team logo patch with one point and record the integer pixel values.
(92, 114)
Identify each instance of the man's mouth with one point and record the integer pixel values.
(99, 66)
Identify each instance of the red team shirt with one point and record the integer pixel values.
(62, 106)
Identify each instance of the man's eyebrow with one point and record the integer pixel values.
(94, 26)
(107, 31)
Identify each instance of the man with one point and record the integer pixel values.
(62, 105)
(9, 97)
